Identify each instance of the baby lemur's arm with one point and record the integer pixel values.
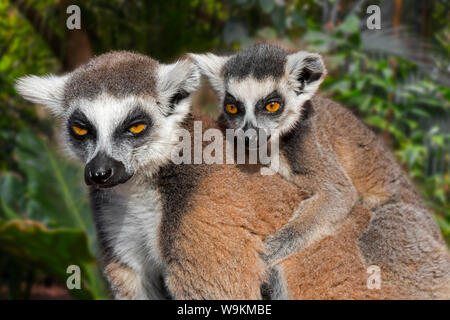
(128, 284)
(216, 253)
(315, 168)
(122, 280)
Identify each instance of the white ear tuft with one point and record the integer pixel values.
(47, 90)
(211, 66)
(305, 72)
(182, 75)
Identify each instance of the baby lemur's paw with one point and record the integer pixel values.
(123, 281)
(281, 245)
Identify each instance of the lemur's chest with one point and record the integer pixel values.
(128, 220)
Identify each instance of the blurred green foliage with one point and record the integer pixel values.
(45, 217)
(395, 79)
(30, 241)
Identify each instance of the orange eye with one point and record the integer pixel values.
(231, 108)
(79, 131)
(273, 107)
(138, 128)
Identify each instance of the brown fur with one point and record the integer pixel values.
(221, 239)
(332, 155)
(334, 268)
(217, 220)
(215, 252)
(121, 279)
(211, 234)
(328, 152)
(402, 234)
(120, 73)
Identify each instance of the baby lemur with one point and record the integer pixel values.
(325, 150)
(166, 230)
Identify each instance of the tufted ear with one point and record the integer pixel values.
(211, 66)
(305, 72)
(46, 90)
(177, 81)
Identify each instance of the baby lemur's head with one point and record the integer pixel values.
(119, 113)
(263, 86)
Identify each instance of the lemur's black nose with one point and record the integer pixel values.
(104, 171)
(101, 175)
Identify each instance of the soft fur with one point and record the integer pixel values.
(197, 231)
(332, 155)
(180, 231)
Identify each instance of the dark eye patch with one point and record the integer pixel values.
(274, 96)
(230, 99)
(79, 119)
(137, 116)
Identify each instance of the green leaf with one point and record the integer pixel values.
(351, 94)
(12, 190)
(49, 250)
(278, 17)
(366, 103)
(340, 86)
(387, 72)
(444, 225)
(350, 25)
(53, 194)
(55, 183)
(438, 140)
(267, 33)
(298, 19)
(267, 5)
(377, 121)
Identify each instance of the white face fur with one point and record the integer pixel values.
(241, 81)
(126, 133)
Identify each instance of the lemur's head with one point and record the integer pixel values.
(263, 86)
(120, 112)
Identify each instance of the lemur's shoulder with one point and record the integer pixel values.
(325, 109)
(177, 185)
(341, 125)
(223, 231)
